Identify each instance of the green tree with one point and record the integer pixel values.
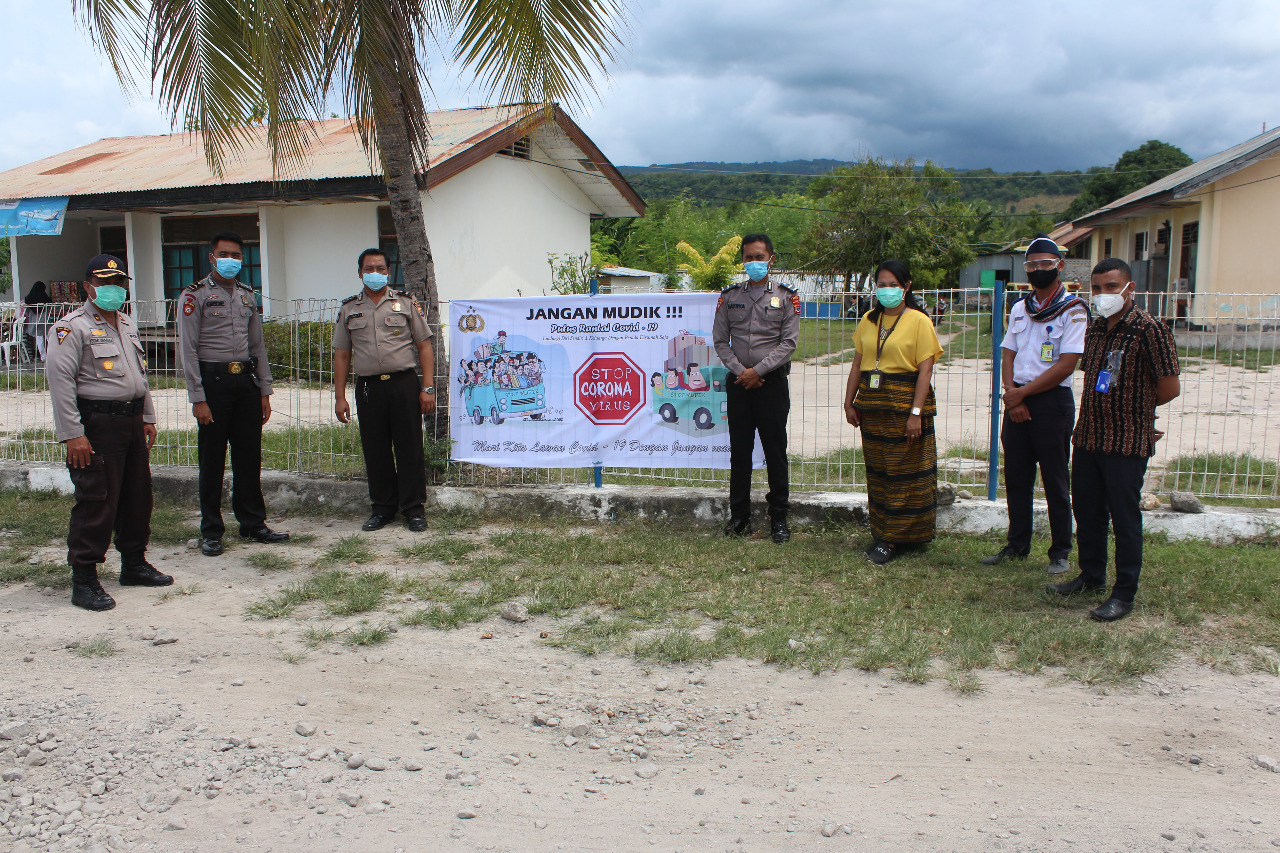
(715, 272)
(1146, 164)
(219, 64)
(6, 274)
(877, 210)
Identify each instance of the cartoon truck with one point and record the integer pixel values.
(502, 395)
(701, 399)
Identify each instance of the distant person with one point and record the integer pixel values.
(1042, 347)
(383, 333)
(36, 313)
(1130, 368)
(224, 358)
(102, 411)
(890, 399)
(756, 327)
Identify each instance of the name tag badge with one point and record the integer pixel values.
(873, 380)
(1104, 382)
(1046, 351)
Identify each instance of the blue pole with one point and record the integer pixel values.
(997, 333)
(595, 289)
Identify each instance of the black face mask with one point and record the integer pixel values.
(1040, 279)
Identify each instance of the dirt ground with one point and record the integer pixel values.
(195, 737)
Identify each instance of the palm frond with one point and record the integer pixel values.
(116, 28)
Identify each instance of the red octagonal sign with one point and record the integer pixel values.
(609, 388)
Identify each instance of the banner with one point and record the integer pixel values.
(578, 381)
(22, 217)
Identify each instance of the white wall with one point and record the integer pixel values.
(492, 226)
(62, 258)
(314, 248)
(146, 254)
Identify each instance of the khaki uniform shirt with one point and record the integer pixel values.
(87, 358)
(382, 337)
(220, 323)
(756, 325)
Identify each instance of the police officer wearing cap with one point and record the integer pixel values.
(224, 358)
(1042, 347)
(383, 334)
(756, 327)
(97, 374)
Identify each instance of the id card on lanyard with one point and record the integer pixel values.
(882, 336)
(1106, 376)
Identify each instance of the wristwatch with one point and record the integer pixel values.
(430, 389)
(916, 412)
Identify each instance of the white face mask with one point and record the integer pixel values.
(1109, 304)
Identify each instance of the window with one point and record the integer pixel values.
(186, 249)
(390, 246)
(1106, 248)
(1082, 250)
(1187, 263)
(111, 241)
(1140, 246)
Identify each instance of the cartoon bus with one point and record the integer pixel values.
(501, 390)
(676, 398)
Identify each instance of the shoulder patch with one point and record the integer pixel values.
(62, 332)
(351, 298)
(795, 302)
(418, 305)
(719, 302)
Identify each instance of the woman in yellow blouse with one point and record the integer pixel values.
(889, 398)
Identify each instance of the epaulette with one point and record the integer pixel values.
(195, 285)
(350, 298)
(790, 288)
(731, 287)
(245, 286)
(406, 294)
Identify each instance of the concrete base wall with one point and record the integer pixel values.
(312, 495)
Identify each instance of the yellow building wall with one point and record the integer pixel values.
(1246, 214)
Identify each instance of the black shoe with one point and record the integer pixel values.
(740, 526)
(1072, 587)
(779, 532)
(1008, 552)
(1111, 610)
(882, 552)
(265, 535)
(416, 523)
(89, 594)
(211, 547)
(376, 522)
(142, 573)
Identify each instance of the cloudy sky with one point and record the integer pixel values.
(1011, 85)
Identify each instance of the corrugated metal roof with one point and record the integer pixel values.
(626, 271)
(1198, 174)
(175, 161)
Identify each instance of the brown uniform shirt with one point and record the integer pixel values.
(1139, 351)
(381, 337)
(220, 323)
(756, 325)
(87, 358)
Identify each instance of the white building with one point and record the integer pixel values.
(506, 186)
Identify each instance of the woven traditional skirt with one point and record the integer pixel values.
(902, 478)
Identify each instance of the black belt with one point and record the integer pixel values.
(236, 367)
(776, 373)
(110, 407)
(383, 377)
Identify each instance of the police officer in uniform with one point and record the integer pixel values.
(384, 334)
(756, 327)
(228, 378)
(97, 374)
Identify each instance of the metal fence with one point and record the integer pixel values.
(1222, 435)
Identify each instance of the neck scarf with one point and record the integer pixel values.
(1054, 306)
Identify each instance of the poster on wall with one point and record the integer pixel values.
(24, 217)
(577, 381)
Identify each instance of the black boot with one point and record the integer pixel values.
(136, 571)
(87, 592)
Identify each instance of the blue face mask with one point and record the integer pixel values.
(228, 267)
(890, 297)
(375, 280)
(756, 270)
(109, 297)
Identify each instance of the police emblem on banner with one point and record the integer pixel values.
(470, 322)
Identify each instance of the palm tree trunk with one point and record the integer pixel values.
(405, 195)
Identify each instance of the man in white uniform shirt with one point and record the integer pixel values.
(1042, 345)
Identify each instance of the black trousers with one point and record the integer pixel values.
(762, 410)
(118, 466)
(236, 404)
(391, 434)
(1045, 440)
(1108, 488)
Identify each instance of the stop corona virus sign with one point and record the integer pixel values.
(609, 388)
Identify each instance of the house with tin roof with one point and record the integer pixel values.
(505, 186)
(1203, 230)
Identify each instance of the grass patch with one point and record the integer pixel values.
(315, 636)
(367, 635)
(294, 658)
(342, 594)
(176, 591)
(97, 646)
(1218, 473)
(348, 550)
(448, 550)
(1249, 359)
(269, 562)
